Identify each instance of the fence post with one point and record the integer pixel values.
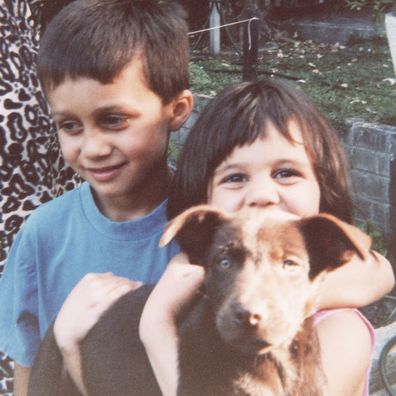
(250, 45)
(214, 35)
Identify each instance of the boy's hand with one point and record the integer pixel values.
(86, 303)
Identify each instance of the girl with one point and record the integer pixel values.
(265, 145)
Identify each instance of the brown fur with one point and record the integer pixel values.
(262, 277)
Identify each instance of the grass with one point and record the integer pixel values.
(355, 80)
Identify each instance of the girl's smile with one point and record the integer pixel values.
(272, 173)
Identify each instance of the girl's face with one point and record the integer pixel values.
(271, 173)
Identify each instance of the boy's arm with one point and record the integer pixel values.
(21, 379)
(160, 314)
(357, 283)
(84, 306)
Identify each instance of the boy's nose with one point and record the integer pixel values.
(262, 194)
(95, 145)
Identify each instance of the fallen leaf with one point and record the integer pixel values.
(391, 81)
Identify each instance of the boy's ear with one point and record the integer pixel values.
(181, 108)
(331, 242)
(194, 230)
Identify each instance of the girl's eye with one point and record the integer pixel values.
(224, 263)
(115, 121)
(286, 175)
(290, 265)
(234, 178)
(71, 127)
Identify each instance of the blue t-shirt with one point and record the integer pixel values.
(62, 241)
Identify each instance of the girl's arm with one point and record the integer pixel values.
(357, 283)
(86, 303)
(346, 348)
(176, 288)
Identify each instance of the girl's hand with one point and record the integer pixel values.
(176, 288)
(86, 303)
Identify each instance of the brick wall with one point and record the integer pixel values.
(371, 150)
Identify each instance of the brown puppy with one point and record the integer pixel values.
(248, 333)
(262, 276)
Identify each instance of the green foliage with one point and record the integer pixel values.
(199, 78)
(379, 6)
(378, 241)
(203, 81)
(355, 80)
(173, 152)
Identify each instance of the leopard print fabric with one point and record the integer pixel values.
(32, 170)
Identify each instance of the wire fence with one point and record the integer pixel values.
(241, 28)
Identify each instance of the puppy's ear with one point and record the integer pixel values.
(194, 230)
(332, 242)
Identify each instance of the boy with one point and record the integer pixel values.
(115, 74)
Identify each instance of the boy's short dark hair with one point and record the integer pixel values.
(98, 38)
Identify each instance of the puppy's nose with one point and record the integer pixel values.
(245, 316)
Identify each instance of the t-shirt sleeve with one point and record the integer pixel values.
(19, 330)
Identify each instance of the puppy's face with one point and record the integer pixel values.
(263, 270)
(258, 281)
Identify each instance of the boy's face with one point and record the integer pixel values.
(271, 173)
(114, 136)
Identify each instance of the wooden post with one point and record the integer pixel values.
(250, 46)
(214, 35)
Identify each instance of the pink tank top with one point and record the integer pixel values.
(325, 313)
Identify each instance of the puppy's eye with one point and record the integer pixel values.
(290, 265)
(224, 263)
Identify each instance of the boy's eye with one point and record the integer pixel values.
(115, 121)
(71, 127)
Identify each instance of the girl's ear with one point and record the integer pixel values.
(181, 108)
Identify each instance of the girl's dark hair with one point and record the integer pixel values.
(237, 117)
(98, 38)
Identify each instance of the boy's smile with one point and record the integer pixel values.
(115, 136)
(271, 173)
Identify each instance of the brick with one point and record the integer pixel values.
(384, 165)
(347, 137)
(371, 186)
(359, 184)
(362, 208)
(380, 215)
(392, 187)
(392, 236)
(378, 188)
(392, 148)
(362, 159)
(371, 138)
(200, 101)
